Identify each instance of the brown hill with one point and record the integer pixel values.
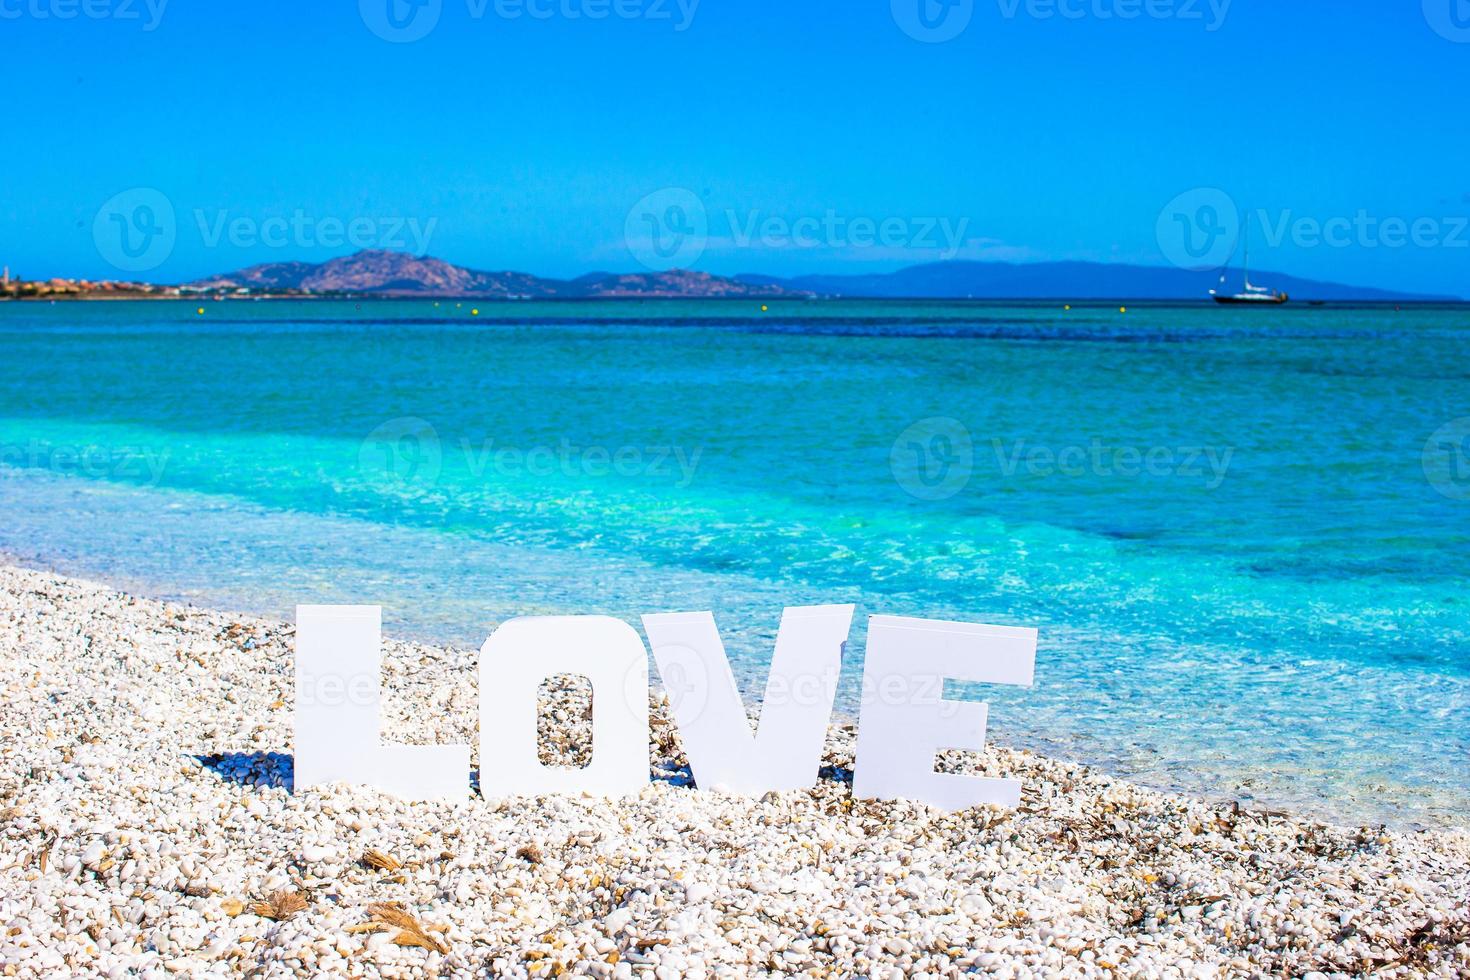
(385, 273)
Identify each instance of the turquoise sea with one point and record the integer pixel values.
(1243, 534)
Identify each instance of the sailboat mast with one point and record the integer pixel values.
(1246, 263)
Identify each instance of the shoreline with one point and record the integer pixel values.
(1225, 787)
(1046, 302)
(1219, 786)
(144, 812)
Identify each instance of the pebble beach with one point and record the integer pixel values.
(148, 828)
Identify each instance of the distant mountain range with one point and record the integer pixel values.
(1068, 281)
(385, 273)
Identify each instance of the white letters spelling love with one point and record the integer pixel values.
(904, 721)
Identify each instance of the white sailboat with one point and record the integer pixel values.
(1253, 295)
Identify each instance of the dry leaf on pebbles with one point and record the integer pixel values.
(381, 861)
(281, 905)
(411, 932)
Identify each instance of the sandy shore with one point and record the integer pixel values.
(146, 828)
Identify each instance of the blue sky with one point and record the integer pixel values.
(1043, 129)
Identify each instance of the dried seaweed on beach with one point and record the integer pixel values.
(280, 905)
(380, 861)
(411, 932)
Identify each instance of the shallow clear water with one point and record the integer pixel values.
(1243, 533)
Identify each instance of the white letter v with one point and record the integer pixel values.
(787, 749)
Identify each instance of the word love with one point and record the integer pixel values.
(904, 721)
